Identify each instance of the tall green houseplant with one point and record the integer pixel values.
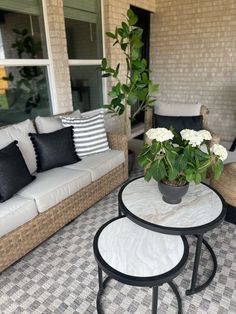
(134, 88)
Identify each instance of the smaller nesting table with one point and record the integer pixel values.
(138, 257)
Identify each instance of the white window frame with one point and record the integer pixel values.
(48, 63)
(84, 62)
(40, 62)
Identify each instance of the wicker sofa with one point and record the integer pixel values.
(18, 242)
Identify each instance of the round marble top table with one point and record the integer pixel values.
(201, 210)
(139, 257)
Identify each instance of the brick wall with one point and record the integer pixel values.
(57, 36)
(193, 57)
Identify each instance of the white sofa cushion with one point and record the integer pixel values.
(51, 124)
(99, 164)
(15, 212)
(53, 186)
(48, 124)
(173, 110)
(20, 133)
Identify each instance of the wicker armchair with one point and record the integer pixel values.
(204, 111)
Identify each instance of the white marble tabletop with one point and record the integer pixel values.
(199, 206)
(136, 251)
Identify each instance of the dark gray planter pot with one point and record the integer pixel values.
(172, 194)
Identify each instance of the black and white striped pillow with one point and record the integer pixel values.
(89, 134)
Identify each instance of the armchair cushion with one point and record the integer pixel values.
(178, 123)
(184, 110)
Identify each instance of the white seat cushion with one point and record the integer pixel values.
(20, 133)
(99, 164)
(15, 212)
(53, 186)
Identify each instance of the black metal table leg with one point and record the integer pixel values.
(100, 279)
(194, 289)
(176, 292)
(119, 211)
(102, 286)
(154, 299)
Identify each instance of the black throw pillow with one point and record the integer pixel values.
(14, 174)
(178, 123)
(55, 149)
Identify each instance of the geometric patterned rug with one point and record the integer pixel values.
(60, 276)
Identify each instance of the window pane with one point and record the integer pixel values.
(86, 86)
(23, 93)
(22, 34)
(83, 29)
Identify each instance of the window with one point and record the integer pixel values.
(24, 90)
(84, 45)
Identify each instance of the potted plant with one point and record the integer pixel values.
(174, 160)
(134, 88)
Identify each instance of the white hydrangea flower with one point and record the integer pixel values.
(193, 137)
(220, 151)
(160, 134)
(206, 135)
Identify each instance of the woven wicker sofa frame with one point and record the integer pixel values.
(22, 240)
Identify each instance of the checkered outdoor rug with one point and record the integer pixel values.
(60, 276)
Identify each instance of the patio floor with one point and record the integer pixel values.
(60, 276)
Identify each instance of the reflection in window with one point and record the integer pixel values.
(22, 33)
(83, 29)
(86, 87)
(23, 93)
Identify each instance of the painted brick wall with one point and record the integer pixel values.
(193, 57)
(114, 12)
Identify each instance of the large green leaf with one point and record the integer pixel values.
(155, 147)
(124, 46)
(111, 35)
(116, 70)
(106, 74)
(104, 63)
(153, 88)
(217, 169)
(132, 100)
(158, 170)
(143, 161)
(172, 173)
(198, 178)
(125, 29)
(134, 53)
(132, 17)
(148, 175)
(125, 88)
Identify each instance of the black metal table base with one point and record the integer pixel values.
(103, 284)
(194, 288)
